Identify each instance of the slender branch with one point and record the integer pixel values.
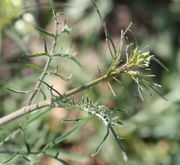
(38, 84)
(30, 108)
(117, 138)
(24, 110)
(87, 85)
(34, 153)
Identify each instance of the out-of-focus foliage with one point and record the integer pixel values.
(151, 128)
(9, 10)
(175, 8)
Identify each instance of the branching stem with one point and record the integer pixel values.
(48, 102)
(38, 84)
(34, 153)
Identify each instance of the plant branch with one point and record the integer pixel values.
(35, 153)
(87, 85)
(49, 102)
(38, 84)
(24, 110)
(137, 58)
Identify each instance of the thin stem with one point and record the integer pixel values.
(110, 43)
(85, 86)
(48, 102)
(24, 110)
(117, 57)
(38, 84)
(34, 153)
(119, 143)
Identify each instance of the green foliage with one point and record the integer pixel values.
(141, 129)
(69, 56)
(61, 138)
(103, 113)
(45, 32)
(5, 15)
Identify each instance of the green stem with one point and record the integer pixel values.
(38, 84)
(46, 103)
(119, 143)
(87, 85)
(34, 153)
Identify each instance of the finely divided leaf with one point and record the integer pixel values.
(11, 158)
(74, 120)
(101, 144)
(160, 63)
(118, 109)
(38, 54)
(63, 137)
(35, 67)
(18, 91)
(71, 57)
(118, 140)
(45, 45)
(45, 32)
(62, 77)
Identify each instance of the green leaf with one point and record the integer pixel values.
(43, 94)
(51, 87)
(34, 117)
(11, 158)
(118, 109)
(45, 45)
(26, 159)
(67, 55)
(158, 92)
(62, 77)
(101, 144)
(45, 32)
(18, 91)
(38, 54)
(118, 140)
(160, 63)
(75, 120)
(27, 147)
(118, 122)
(35, 67)
(25, 140)
(63, 137)
(111, 45)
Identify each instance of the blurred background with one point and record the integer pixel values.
(150, 129)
